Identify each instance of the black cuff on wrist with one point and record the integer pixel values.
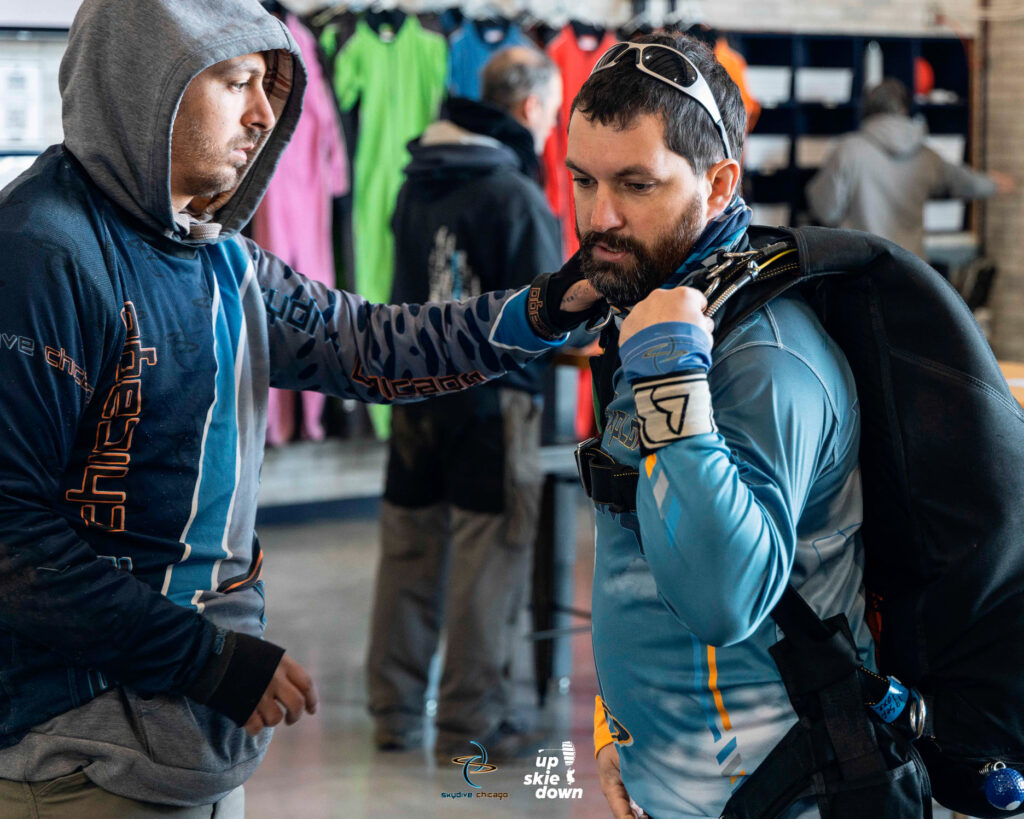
(235, 678)
(209, 678)
(536, 313)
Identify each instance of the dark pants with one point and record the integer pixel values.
(461, 557)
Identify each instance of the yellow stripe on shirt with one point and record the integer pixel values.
(713, 685)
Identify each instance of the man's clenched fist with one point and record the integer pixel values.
(678, 304)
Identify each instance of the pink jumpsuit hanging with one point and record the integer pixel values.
(294, 220)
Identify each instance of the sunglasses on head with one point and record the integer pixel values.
(671, 67)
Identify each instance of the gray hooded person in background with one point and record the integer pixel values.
(134, 680)
(879, 178)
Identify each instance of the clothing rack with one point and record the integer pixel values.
(553, 13)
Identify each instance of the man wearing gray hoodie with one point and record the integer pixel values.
(879, 178)
(140, 336)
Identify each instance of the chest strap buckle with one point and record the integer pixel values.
(606, 481)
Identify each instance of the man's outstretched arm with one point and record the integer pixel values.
(336, 342)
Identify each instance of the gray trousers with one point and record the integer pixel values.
(441, 564)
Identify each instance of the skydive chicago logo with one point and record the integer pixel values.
(473, 764)
(549, 784)
(476, 762)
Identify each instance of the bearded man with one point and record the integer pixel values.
(747, 459)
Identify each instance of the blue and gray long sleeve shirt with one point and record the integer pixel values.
(764, 490)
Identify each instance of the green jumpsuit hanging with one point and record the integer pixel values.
(399, 86)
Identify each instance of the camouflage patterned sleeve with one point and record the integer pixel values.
(336, 342)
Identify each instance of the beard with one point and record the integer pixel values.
(627, 283)
(210, 168)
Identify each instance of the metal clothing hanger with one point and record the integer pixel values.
(583, 29)
(688, 14)
(324, 17)
(381, 18)
(639, 23)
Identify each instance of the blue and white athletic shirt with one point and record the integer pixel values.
(725, 518)
(135, 373)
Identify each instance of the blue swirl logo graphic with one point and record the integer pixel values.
(474, 763)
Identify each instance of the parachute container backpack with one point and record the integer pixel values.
(942, 464)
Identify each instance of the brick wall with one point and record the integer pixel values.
(1005, 143)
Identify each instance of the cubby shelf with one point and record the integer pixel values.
(811, 88)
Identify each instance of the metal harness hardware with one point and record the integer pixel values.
(740, 269)
(732, 273)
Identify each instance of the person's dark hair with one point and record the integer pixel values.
(890, 96)
(513, 74)
(705, 33)
(618, 95)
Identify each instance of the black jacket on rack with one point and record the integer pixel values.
(473, 215)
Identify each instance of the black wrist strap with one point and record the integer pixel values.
(235, 678)
(537, 312)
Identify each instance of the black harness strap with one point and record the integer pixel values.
(795, 760)
(605, 480)
(835, 732)
(849, 727)
(823, 676)
(602, 371)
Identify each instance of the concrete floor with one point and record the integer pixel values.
(319, 590)
(320, 583)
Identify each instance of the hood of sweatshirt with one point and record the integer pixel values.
(897, 135)
(127, 65)
(475, 138)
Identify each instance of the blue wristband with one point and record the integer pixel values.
(666, 348)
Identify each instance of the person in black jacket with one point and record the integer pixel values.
(463, 482)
